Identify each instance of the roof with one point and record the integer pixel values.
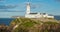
(43, 13)
(33, 13)
(50, 14)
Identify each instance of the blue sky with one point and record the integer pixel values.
(10, 8)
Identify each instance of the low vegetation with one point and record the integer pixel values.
(32, 25)
(4, 28)
(29, 25)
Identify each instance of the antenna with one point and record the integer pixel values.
(28, 0)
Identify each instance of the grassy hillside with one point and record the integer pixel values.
(35, 25)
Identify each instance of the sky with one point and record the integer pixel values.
(9, 8)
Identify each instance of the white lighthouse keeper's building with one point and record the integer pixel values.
(36, 15)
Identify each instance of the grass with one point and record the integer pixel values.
(28, 24)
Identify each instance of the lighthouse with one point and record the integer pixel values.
(35, 15)
(28, 8)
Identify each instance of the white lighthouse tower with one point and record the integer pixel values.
(28, 8)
